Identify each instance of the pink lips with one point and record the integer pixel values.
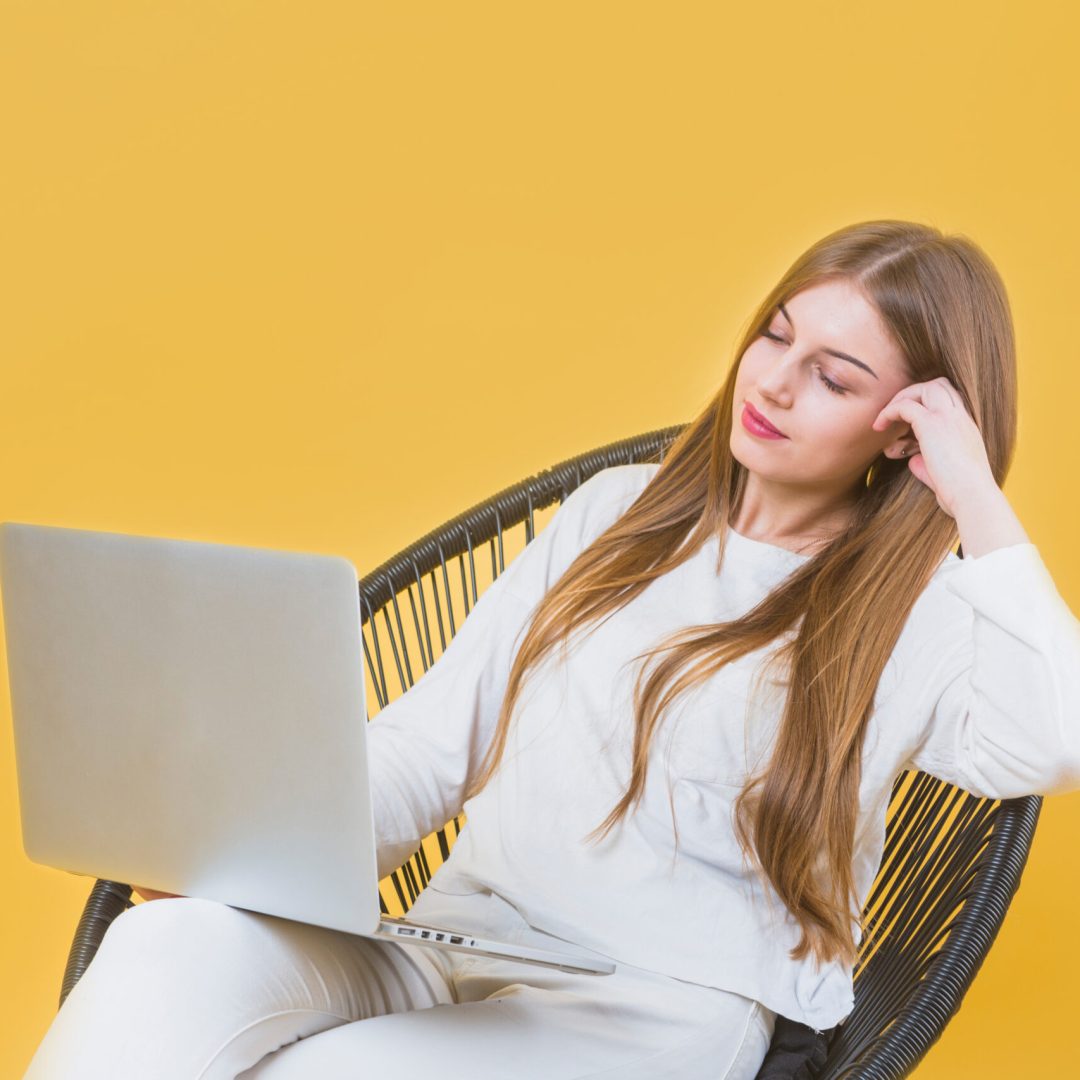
(756, 424)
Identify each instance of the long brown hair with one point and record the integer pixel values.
(840, 613)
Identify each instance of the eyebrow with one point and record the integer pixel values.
(833, 352)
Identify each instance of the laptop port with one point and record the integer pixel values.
(455, 940)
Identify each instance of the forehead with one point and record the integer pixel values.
(837, 315)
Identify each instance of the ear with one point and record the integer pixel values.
(902, 448)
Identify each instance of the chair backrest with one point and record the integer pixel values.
(951, 863)
(398, 649)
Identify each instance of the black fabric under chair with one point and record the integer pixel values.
(950, 867)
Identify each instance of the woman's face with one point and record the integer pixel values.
(822, 402)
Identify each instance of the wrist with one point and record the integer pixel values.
(986, 521)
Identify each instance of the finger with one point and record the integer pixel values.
(912, 392)
(949, 387)
(905, 409)
(918, 467)
(941, 392)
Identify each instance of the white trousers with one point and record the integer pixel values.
(189, 989)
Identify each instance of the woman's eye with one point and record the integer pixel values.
(836, 388)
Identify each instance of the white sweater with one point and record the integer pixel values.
(982, 690)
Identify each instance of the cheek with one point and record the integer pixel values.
(837, 428)
(750, 370)
(854, 434)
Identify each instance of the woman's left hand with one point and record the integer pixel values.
(951, 455)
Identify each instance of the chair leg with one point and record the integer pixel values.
(107, 899)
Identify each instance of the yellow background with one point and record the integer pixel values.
(317, 276)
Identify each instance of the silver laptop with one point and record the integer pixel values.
(190, 717)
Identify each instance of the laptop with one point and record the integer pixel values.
(190, 717)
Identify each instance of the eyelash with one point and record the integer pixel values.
(836, 388)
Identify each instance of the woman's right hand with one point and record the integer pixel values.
(153, 894)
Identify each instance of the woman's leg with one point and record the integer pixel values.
(535, 1023)
(538, 1033)
(190, 989)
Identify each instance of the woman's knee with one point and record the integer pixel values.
(188, 945)
(194, 986)
(161, 933)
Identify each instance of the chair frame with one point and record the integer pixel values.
(951, 865)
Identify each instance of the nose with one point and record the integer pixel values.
(775, 382)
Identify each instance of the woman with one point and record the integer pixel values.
(754, 637)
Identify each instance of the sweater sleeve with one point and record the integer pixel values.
(1002, 688)
(426, 745)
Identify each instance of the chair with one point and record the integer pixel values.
(950, 866)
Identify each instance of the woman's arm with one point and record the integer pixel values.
(1000, 686)
(427, 744)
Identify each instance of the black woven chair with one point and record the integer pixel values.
(950, 867)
